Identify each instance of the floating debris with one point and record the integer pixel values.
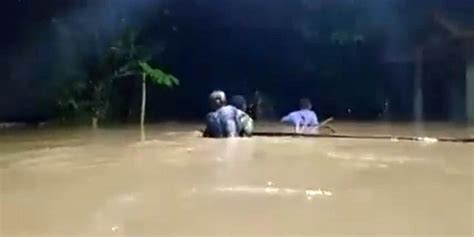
(308, 193)
(427, 139)
(319, 192)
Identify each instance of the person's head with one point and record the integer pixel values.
(305, 103)
(239, 102)
(217, 99)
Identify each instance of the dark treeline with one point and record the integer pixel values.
(353, 59)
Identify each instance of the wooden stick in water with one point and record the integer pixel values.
(325, 124)
(375, 137)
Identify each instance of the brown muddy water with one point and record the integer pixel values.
(79, 182)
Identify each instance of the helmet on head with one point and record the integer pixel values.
(217, 99)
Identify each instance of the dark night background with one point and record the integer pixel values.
(343, 54)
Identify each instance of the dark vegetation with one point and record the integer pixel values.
(356, 59)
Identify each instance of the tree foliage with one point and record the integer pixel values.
(156, 76)
(132, 60)
(88, 92)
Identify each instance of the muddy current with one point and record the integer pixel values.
(106, 182)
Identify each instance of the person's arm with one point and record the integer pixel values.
(290, 118)
(313, 126)
(245, 123)
(293, 119)
(315, 121)
(212, 126)
(247, 128)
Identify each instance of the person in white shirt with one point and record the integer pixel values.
(304, 120)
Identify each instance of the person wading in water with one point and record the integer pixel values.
(226, 120)
(304, 120)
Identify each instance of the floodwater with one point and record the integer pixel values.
(79, 182)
